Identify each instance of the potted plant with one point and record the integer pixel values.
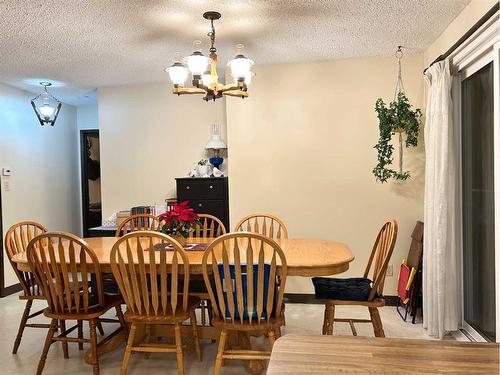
(179, 222)
(397, 117)
(203, 167)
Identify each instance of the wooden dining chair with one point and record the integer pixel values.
(136, 223)
(265, 224)
(16, 241)
(360, 291)
(58, 260)
(147, 267)
(211, 227)
(240, 272)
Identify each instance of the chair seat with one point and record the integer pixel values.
(180, 314)
(95, 310)
(353, 289)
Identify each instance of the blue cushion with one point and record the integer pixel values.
(255, 268)
(354, 289)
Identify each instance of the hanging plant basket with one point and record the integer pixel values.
(396, 118)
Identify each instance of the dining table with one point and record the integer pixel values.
(304, 257)
(328, 355)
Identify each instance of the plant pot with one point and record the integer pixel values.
(202, 170)
(181, 239)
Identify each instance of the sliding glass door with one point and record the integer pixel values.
(478, 201)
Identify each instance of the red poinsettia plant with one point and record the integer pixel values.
(179, 220)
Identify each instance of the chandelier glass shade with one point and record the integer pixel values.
(46, 106)
(203, 70)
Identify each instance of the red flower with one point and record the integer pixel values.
(180, 218)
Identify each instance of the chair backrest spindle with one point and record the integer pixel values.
(265, 224)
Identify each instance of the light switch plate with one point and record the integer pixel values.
(6, 171)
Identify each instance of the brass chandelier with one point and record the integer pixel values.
(204, 70)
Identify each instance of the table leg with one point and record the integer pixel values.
(112, 342)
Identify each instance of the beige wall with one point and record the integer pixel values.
(302, 147)
(148, 137)
(44, 181)
(463, 22)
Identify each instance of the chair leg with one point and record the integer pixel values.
(272, 338)
(195, 335)
(99, 327)
(147, 339)
(178, 349)
(378, 329)
(121, 318)
(48, 341)
(203, 312)
(277, 332)
(22, 325)
(80, 334)
(128, 349)
(64, 343)
(328, 319)
(220, 351)
(93, 343)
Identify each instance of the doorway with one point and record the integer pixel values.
(90, 180)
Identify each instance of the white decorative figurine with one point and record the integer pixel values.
(217, 172)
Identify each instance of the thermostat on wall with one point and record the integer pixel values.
(6, 171)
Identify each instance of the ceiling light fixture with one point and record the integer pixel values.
(46, 106)
(204, 70)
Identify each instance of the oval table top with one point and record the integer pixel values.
(305, 257)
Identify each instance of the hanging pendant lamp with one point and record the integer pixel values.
(46, 106)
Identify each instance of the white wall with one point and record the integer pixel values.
(87, 117)
(148, 137)
(44, 181)
(301, 147)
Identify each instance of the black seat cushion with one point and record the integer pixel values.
(354, 289)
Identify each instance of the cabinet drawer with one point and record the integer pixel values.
(212, 207)
(196, 189)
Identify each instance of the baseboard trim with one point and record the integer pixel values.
(311, 299)
(11, 290)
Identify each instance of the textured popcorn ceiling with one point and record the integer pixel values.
(88, 44)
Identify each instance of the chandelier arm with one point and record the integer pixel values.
(188, 90)
(234, 86)
(238, 93)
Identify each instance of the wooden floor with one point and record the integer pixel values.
(294, 354)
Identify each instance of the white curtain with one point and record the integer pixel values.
(441, 308)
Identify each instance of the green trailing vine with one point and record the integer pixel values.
(397, 117)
